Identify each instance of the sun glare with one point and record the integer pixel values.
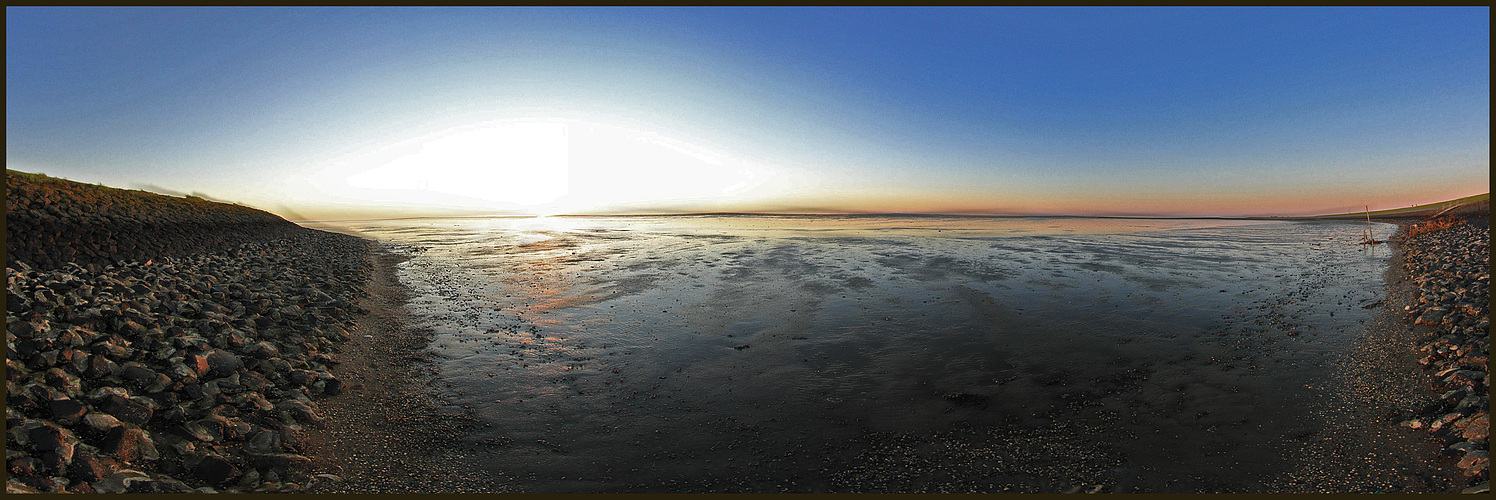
(524, 163)
(554, 166)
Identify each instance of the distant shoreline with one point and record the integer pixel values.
(1468, 204)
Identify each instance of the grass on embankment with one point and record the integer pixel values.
(1468, 204)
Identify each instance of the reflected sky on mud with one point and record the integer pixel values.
(795, 353)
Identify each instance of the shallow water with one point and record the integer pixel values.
(869, 353)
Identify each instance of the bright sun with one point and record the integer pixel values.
(520, 163)
(545, 167)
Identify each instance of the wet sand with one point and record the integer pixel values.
(384, 433)
(1348, 440)
(1376, 384)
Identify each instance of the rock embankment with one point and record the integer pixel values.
(51, 222)
(197, 370)
(1449, 261)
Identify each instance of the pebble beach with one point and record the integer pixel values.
(165, 344)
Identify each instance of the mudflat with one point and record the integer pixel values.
(797, 357)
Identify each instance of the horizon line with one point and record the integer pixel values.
(1383, 213)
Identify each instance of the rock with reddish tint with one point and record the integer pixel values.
(197, 363)
(1479, 428)
(127, 445)
(1475, 462)
(62, 380)
(17, 486)
(99, 423)
(98, 366)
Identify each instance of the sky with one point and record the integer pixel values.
(337, 113)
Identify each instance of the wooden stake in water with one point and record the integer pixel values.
(1366, 236)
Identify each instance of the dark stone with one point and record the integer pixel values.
(14, 303)
(130, 327)
(53, 460)
(42, 394)
(167, 399)
(264, 441)
(263, 350)
(234, 340)
(126, 409)
(89, 467)
(192, 391)
(215, 427)
(47, 437)
(223, 363)
(66, 411)
(280, 462)
(138, 374)
(151, 486)
(301, 411)
(252, 380)
(25, 347)
(333, 386)
(36, 484)
(214, 469)
(302, 377)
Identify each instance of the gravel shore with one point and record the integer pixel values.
(1448, 271)
(386, 434)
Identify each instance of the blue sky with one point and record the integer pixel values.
(1167, 111)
